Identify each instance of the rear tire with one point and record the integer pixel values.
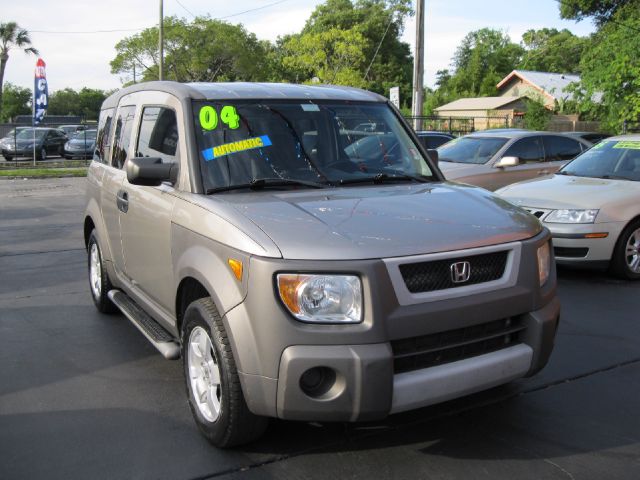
(99, 283)
(625, 262)
(213, 386)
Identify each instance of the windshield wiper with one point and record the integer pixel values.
(260, 183)
(383, 178)
(615, 177)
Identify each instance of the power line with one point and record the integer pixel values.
(88, 31)
(186, 9)
(252, 10)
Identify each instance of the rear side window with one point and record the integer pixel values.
(433, 141)
(100, 154)
(124, 126)
(528, 150)
(561, 148)
(158, 136)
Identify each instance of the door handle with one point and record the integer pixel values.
(122, 199)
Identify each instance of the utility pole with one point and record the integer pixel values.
(418, 67)
(161, 44)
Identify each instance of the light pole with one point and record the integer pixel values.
(161, 45)
(418, 67)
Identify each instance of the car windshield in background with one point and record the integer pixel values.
(28, 134)
(324, 143)
(470, 149)
(88, 134)
(608, 159)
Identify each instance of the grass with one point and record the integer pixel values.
(60, 168)
(44, 172)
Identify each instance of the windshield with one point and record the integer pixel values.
(608, 159)
(470, 149)
(28, 134)
(324, 143)
(88, 134)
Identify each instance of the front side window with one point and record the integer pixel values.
(124, 125)
(327, 143)
(528, 150)
(158, 135)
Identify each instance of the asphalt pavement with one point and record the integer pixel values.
(84, 395)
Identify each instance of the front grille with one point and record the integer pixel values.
(416, 353)
(569, 252)
(437, 274)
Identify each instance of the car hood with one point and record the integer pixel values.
(564, 191)
(453, 170)
(379, 221)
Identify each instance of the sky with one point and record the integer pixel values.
(77, 39)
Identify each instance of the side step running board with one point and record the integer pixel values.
(155, 333)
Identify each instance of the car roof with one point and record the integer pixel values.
(249, 91)
(630, 136)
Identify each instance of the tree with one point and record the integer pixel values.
(552, 50)
(601, 10)
(63, 102)
(204, 50)
(16, 101)
(384, 61)
(333, 56)
(483, 58)
(537, 115)
(11, 35)
(610, 81)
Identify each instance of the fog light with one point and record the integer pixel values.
(317, 381)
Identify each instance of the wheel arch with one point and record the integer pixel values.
(189, 290)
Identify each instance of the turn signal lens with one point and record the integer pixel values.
(544, 263)
(322, 298)
(236, 268)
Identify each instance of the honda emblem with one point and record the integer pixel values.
(460, 272)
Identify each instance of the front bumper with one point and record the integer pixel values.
(363, 385)
(572, 248)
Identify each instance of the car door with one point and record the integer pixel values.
(531, 161)
(558, 151)
(146, 224)
(112, 201)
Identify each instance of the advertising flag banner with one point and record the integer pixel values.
(40, 93)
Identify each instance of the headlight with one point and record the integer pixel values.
(572, 216)
(67, 146)
(544, 263)
(322, 298)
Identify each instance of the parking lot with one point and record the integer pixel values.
(84, 395)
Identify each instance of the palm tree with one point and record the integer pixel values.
(11, 35)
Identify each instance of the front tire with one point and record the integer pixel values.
(625, 262)
(213, 386)
(99, 283)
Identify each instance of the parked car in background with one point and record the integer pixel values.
(71, 129)
(47, 141)
(593, 137)
(432, 140)
(591, 206)
(80, 145)
(493, 159)
(11, 136)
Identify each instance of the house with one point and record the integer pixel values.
(551, 88)
(488, 112)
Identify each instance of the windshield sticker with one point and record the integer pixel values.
(236, 147)
(310, 107)
(631, 145)
(209, 117)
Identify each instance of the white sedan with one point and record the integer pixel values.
(591, 206)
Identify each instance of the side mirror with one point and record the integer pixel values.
(507, 162)
(433, 155)
(150, 171)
